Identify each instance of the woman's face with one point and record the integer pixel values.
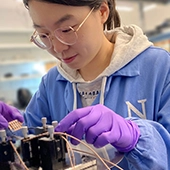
(47, 17)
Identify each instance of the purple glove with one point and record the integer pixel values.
(7, 114)
(101, 126)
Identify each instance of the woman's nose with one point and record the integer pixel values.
(58, 46)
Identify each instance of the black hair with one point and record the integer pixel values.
(113, 19)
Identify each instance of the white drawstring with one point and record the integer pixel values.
(103, 90)
(75, 96)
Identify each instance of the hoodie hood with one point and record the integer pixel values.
(129, 43)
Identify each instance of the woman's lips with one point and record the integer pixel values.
(69, 60)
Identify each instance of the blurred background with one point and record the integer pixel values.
(22, 64)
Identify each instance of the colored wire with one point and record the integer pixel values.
(95, 153)
(88, 153)
(21, 161)
(70, 150)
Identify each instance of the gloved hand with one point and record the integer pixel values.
(7, 114)
(101, 126)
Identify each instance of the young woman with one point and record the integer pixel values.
(110, 86)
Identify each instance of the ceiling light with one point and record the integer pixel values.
(149, 7)
(19, 0)
(124, 8)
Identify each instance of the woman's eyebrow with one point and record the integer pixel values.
(60, 21)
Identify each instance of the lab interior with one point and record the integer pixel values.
(22, 64)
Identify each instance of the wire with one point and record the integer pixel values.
(69, 148)
(88, 153)
(95, 153)
(37, 136)
(70, 152)
(21, 161)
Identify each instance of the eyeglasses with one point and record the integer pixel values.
(66, 35)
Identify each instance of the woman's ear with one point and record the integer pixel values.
(104, 12)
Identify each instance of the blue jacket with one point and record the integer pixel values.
(140, 90)
(137, 88)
